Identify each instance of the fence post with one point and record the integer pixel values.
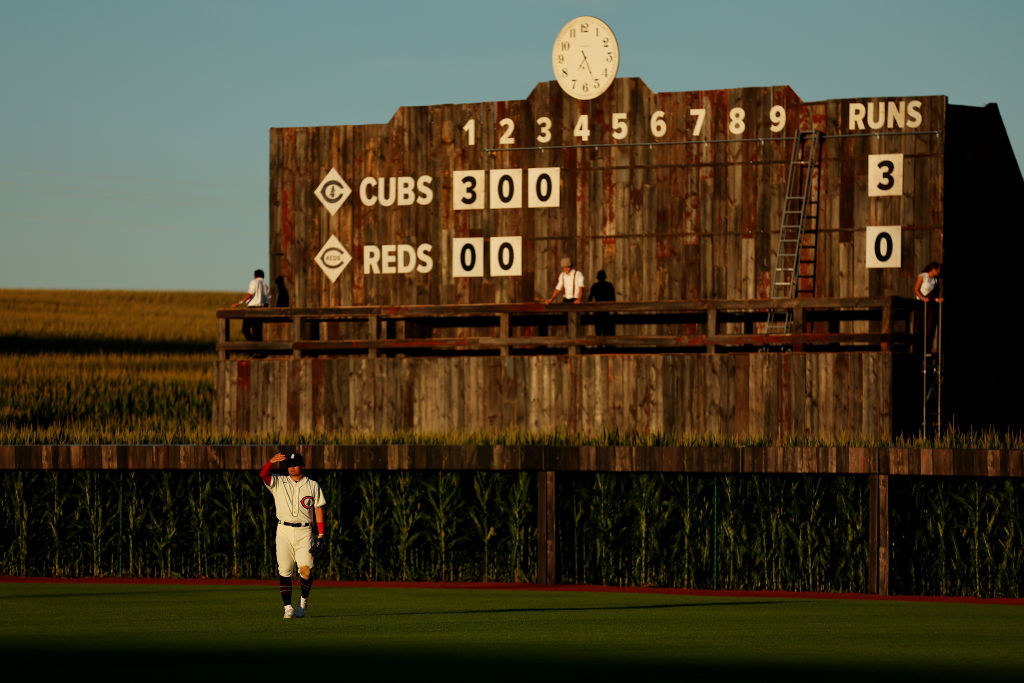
(546, 528)
(714, 538)
(878, 533)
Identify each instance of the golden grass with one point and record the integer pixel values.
(137, 367)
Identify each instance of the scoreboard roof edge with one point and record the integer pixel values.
(547, 88)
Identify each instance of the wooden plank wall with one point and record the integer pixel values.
(749, 394)
(686, 216)
(398, 457)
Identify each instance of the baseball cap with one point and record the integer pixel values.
(566, 262)
(294, 460)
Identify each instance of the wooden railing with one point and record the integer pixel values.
(871, 324)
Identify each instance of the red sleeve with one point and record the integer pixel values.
(265, 473)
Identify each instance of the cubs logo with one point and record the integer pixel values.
(306, 502)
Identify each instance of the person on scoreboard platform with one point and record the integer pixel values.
(257, 296)
(570, 283)
(928, 282)
(602, 290)
(926, 289)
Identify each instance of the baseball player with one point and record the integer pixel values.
(300, 504)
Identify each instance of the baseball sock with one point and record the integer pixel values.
(286, 589)
(304, 586)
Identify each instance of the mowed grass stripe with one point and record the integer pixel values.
(446, 634)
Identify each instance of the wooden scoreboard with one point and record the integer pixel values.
(677, 197)
(674, 195)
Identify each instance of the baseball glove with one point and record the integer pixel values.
(318, 546)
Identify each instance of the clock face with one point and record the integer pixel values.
(585, 57)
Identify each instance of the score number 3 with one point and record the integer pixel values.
(885, 175)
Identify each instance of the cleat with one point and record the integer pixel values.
(299, 612)
(289, 611)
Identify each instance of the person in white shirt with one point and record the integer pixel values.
(570, 283)
(926, 289)
(258, 296)
(927, 281)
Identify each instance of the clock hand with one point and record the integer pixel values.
(585, 63)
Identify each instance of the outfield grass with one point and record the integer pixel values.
(234, 632)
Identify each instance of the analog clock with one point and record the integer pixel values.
(585, 57)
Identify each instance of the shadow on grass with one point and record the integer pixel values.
(13, 343)
(511, 665)
(604, 608)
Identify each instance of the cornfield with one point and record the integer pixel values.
(702, 531)
(106, 367)
(744, 532)
(955, 536)
(382, 526)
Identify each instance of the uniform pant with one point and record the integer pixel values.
(293, 548)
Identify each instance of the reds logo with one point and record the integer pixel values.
(306, 502)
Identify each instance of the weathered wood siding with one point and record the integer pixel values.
(818, 394)
(682, 216)
(966, 462)
(676, 195)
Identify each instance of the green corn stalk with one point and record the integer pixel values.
(765, 545)
(135, 509)
(369, 520)
(578, 507)
(54, 520)
(230, 504)
(200, 484)
(651, 512)
(17, 507)
(167, 526)
(95, 512)
(607, 518)
(690, 550)
(332, 485)
(1009, 541)
(406, 517)
(482, 514)
(445, 504)
(516, 510)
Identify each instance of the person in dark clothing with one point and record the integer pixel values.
(602, 290)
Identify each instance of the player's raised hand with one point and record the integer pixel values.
(278, 457)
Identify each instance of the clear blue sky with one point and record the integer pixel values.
(134, 134)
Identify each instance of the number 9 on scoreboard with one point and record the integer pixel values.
(883, 246)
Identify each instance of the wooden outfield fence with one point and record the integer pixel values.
(848, 366)
(877, 463)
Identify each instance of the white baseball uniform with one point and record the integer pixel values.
(295, 501)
